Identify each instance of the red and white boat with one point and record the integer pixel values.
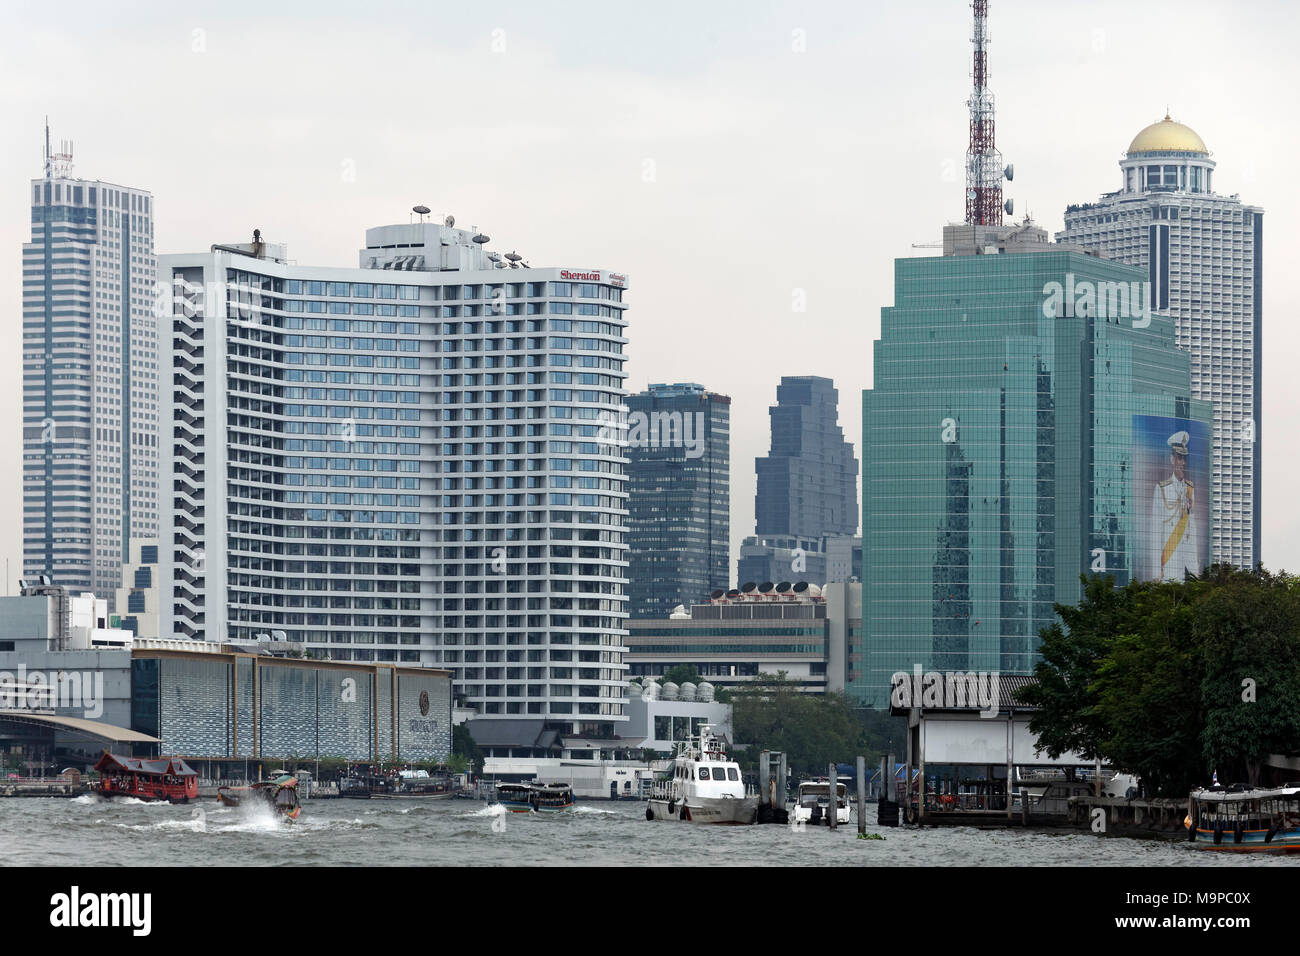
(169, 778)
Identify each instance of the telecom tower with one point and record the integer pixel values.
(984, 170)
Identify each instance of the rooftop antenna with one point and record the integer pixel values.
(420, 211)
(984, 170)
(60, 163)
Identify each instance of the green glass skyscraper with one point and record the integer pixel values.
(1026, 421)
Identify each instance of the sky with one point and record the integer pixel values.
(737, 160)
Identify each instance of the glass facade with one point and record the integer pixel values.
(679, 500)
(998, 450)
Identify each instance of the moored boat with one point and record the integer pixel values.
(812, 803)
(168, 778)
(702, 785)
(1245, 820)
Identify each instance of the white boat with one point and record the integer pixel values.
(702, 785)
(811, 804)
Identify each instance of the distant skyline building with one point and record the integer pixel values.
(90, 378)
(679, 497)
(1203, 255)
(807, 483)
(1012, 442)
(404, 461)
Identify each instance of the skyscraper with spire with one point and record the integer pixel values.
(90, 377)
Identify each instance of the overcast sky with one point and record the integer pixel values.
(729, 157)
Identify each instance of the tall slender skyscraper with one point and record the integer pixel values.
(679, 498)
(90, 378)
(1203, 255)
(405, 460)
(807, 484)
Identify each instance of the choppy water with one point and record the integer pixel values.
(89, 831)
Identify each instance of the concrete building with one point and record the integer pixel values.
(90, 378)
(403, 462)
(137, 597)
(1202, 253)
(679, 497)
(62, 696)
(829, 558)
(738, 635)
(1012, 441)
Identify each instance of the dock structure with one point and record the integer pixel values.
(1156, 816)
(971, 759)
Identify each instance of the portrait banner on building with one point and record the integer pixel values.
(1171, 486)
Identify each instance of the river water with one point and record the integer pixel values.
(90, 831)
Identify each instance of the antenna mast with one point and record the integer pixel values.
(983, 161)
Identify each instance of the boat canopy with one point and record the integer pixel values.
(1236, 796)
(173, 766)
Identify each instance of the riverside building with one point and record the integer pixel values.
(403, 462)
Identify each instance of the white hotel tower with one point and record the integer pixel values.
(1204, 255)
(403, 462)
(90, 378)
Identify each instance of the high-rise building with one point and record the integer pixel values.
(90, 378)
(679, 497)
(807, 483)
(1028, 419)
(137, 597)
(1202, 253)
(406, 462)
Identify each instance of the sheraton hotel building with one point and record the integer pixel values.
(408, 461)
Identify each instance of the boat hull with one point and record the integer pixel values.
(734, 811)
(1252, 841)
(804, 815)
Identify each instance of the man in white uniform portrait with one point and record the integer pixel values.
(1173, 538)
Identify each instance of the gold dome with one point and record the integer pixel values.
(1167, 137)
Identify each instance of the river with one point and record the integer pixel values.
(90, 831)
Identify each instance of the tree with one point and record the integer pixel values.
(463, 745)
(1174, 680)
(1064, 691)
(682, 673)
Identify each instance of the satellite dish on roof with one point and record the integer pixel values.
(422, 210)
(449, 221)
(513, 256)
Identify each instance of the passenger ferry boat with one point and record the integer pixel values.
(169, 778)
(702, 785)
(280, 794)
(535, 797)
(1244, 820)
(812, 803)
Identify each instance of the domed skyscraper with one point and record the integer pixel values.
(1203, 254)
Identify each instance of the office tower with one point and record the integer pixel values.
(1026, 414)
(1202, 253)
(807, 484)
(679, 497)
(404, 461)
(90, 378)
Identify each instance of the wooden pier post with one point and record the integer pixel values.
(862, 796)
(833, 795)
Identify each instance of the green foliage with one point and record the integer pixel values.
(463, 745)
(813, 730)
(1158, 678)
(681, 674)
